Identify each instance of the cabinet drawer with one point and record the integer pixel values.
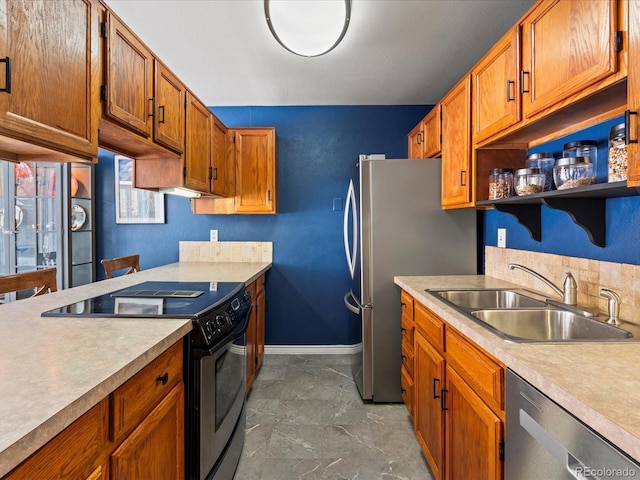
(406, 303)
(407, 358)
(407, 332)
(406, 382)
(72, 454)
(136, 398)
(484, 374)
(430, 326)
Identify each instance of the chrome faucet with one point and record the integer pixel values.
(569, 292)
(614, 305)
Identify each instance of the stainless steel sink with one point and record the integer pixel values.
(548, 325)
(488, 298)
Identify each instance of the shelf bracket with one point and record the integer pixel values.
(588, 213)
(528, 216)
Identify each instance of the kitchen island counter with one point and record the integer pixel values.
(54, 369)
(597, 382)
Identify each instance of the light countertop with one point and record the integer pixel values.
(54, 369)
(597, 382)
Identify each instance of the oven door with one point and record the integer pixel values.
(221, 378)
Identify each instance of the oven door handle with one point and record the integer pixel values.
(236, 333)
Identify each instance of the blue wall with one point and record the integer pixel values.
(560, 235)
(317, 147)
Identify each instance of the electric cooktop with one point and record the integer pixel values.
(154, 299)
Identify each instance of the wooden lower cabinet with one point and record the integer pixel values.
(151, 451)
(150, 444)
(429, 417)
(458, 400)
(473, 434)
(255, 331)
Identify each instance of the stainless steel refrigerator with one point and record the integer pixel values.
(394, 225)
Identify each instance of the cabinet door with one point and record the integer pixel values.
(432, 140)
(155, 449)
(222, 171)
(496, 93)
(168, 115)
(429, 417)
(567, 45)
(456, 146)
(255, 170)
(414, 140)
(633, 86)
(53, 74)
(129, 89)
(198, 149)
(474, 434)
(260, 322)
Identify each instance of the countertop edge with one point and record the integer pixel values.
(506, 353)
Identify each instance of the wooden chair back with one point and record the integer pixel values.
(42, 281)
(131, 262)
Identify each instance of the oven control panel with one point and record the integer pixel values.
(223, 320)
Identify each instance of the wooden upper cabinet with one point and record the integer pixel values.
(129, 77)
(222, 176)
(169, 111)
(432, 138)
(53, 77)
(199, 148)
(496, 88)
(456, 146)
(414, 141)
(255, 158)
(567, 45)
(633, 87)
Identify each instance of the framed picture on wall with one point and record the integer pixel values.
(132, 204)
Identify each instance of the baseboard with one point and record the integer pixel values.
(311, 349)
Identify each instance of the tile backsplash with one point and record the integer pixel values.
(226, 252)
(590, 276)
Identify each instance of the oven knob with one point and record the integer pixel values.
(247, 295)
(209, 326)
(219, 321)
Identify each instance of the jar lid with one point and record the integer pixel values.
(540, 156)
(580, 143)
(617, 131)
(527, 171)
(498, 171)
(572, 161)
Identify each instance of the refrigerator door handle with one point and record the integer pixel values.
(351, 255)
(358, 306)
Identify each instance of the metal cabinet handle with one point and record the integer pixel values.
(435, 388)
(7, 73)
(215, 173)
(443, 405)
(522, 88)
(153, 107)
(627, 126)
(163, 378)
(509, 84)
(161, 108)
(463, 178)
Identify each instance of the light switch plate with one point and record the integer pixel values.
(213, 235)
(502, 237)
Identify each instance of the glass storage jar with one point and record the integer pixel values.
(572, 172)
(500, 183)
(583, 148)
(545, 162)
(617, 154)
(528, 181)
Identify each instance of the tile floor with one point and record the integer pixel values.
(306, 421)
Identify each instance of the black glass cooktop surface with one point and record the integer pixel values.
(154, 299)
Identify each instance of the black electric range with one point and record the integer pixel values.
(214, 307)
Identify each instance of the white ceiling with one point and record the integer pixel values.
(395, 52)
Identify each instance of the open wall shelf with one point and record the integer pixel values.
(585, 205)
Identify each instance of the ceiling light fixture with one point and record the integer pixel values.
(308, 28)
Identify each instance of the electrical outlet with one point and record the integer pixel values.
(502, 237)
(213, 235)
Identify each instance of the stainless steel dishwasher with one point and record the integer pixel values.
(544, 441)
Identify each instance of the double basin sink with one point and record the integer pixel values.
(518, 315)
